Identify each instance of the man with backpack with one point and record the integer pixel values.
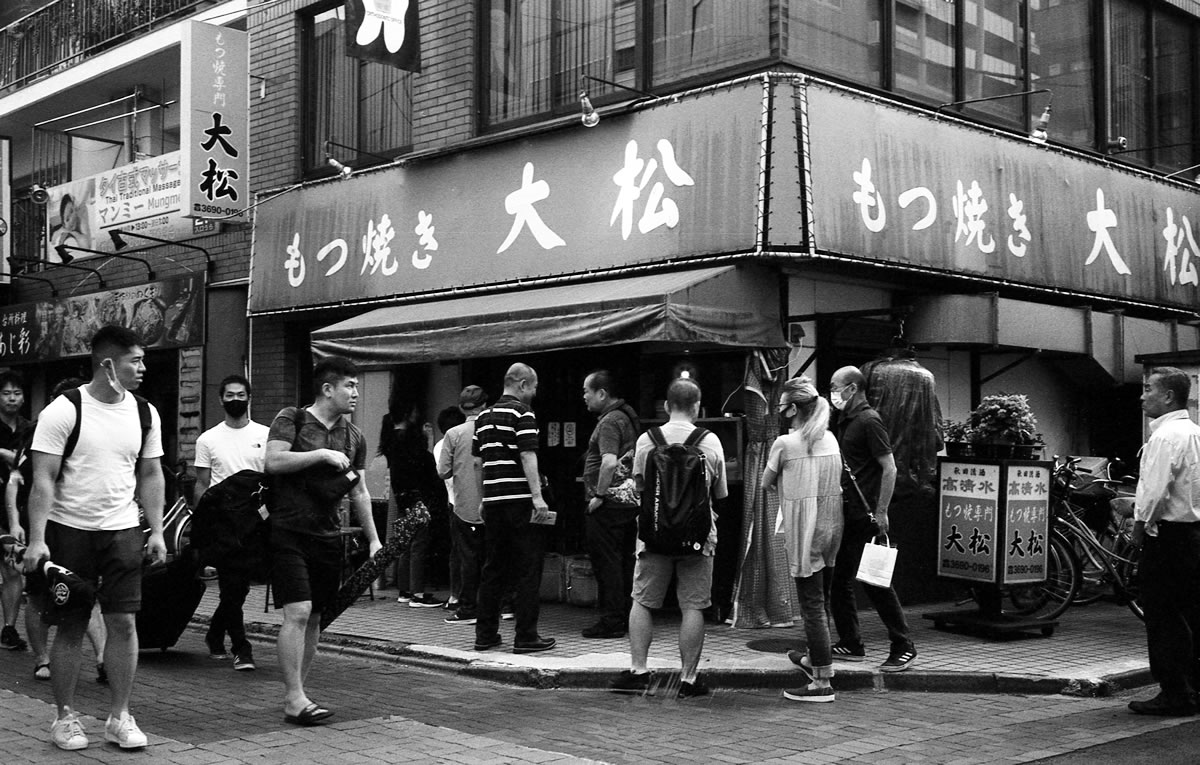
(681, 470)
(235, 444)
(93, 450)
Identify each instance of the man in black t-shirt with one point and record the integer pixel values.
(14, 433)
(867, 453)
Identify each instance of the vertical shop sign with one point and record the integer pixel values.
(1026, 522)
(386, 31)
(214, 129)
(968, 521)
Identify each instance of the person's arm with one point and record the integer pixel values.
(152, 491)
(608, 466)
(11, 491)
(360, 502)
(445, 458)
(41, 497)
(771, 473)
(1154, 480)
(203, 477)
(529, 463)
(887, 484)
(281, 458)
(9, 456)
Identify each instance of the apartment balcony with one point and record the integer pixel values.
(67, 32)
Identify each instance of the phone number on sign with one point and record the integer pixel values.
(214, 209)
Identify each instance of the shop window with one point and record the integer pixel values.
(838, 37)
(1061, 58)
(364, 105)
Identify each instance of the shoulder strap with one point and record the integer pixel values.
(656, 436)
(73, 395)
(695, 437)
(143, 407)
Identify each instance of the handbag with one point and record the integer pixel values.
(623, 489)
(877, 564)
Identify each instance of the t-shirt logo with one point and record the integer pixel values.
(61, 594)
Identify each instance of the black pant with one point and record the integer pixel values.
(1169, 577)
(467, 540)
(513, 560)
(611, 539)
(235, 585)
(843, 604)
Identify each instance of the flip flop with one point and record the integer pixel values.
(42, 671)
(312, 714)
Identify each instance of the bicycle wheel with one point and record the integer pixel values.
(1049, 599)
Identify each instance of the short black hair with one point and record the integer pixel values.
(238, 379)
(332, 370)
(113, 337)
(449, 417)
(1174, 380)
(13, 379)
(602, 379)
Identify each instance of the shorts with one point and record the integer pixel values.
(110, 559)
(652, 575)
(305, 568)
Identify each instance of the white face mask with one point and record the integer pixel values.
(838, 400)
(110, 371)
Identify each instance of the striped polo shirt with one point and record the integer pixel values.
(502, 432)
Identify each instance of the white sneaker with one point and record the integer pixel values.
(67, 733)
(124, 732)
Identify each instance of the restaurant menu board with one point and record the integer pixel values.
(165, 314)
(1026, 522)
(968, 521)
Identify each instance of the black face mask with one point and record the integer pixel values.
(236, 407)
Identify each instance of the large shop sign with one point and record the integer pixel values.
(678, 179)
(905, 187)
(165, 314)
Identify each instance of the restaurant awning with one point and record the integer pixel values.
(721, 306)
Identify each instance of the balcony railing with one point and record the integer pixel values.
(66, 32)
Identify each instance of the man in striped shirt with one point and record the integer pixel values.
(505, 451)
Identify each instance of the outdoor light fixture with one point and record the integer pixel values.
(99, 278)
(1116, 145)
(1039, 133)
(119, 243)
(343, 170)
(589, 117)
(38, 194)
(63, 251)
(15, 274)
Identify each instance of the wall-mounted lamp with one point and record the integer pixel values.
(64, 252)
(38, 194)
(1115, 145)
(14, 260)
(590, 117)
(1039, 134)
(116, 235)
(343, 169)
(15, 274)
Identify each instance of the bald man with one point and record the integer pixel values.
(505, 451)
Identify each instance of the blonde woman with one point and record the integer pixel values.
(805, 467)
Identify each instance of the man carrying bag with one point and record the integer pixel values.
(871, 474)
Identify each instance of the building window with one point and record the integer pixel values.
(364, 105)
(923, 49)
(839, 37)
(692, 37)
(1062, 59)
(994, 57)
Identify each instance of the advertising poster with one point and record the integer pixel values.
(968, 521)
(165, 314)
(71, 217)
(1026, 523)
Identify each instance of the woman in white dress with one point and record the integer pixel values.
(805, 467)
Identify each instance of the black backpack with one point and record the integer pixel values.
(676, 511)
(228, 530)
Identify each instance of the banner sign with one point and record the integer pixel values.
(214, 129)
(680, 179)
(165, 314)
(894, 185)
(968, 520)
(5, 206)
(384, 31)
(1026, 522)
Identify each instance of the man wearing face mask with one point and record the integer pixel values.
(867, 455)
(236, 444)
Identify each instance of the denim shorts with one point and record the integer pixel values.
(305, 567)
(113, 559)
(652, 575)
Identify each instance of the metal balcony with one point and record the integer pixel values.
(66, 32)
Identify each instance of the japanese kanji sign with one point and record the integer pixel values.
(894, 185)
(677, 179)
(1026, 522)
(384, 31)
(968, 520)
(214, 126)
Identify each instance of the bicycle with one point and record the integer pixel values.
(1107, 559)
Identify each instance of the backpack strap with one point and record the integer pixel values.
(695, 437)
(76, 398)
(656, 436)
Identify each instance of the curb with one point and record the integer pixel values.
(846, 679)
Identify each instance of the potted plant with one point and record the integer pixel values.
(1005, 423)
(957, 436)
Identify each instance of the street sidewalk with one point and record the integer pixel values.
(1095, 650)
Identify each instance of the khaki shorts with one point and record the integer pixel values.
(652, 576)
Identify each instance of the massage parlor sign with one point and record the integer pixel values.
(993, 521)
(165, 314)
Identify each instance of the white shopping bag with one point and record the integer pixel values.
(877, 564)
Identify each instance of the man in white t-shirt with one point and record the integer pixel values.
(232, 446)
(83, 515)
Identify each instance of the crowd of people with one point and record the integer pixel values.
(75, 480)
